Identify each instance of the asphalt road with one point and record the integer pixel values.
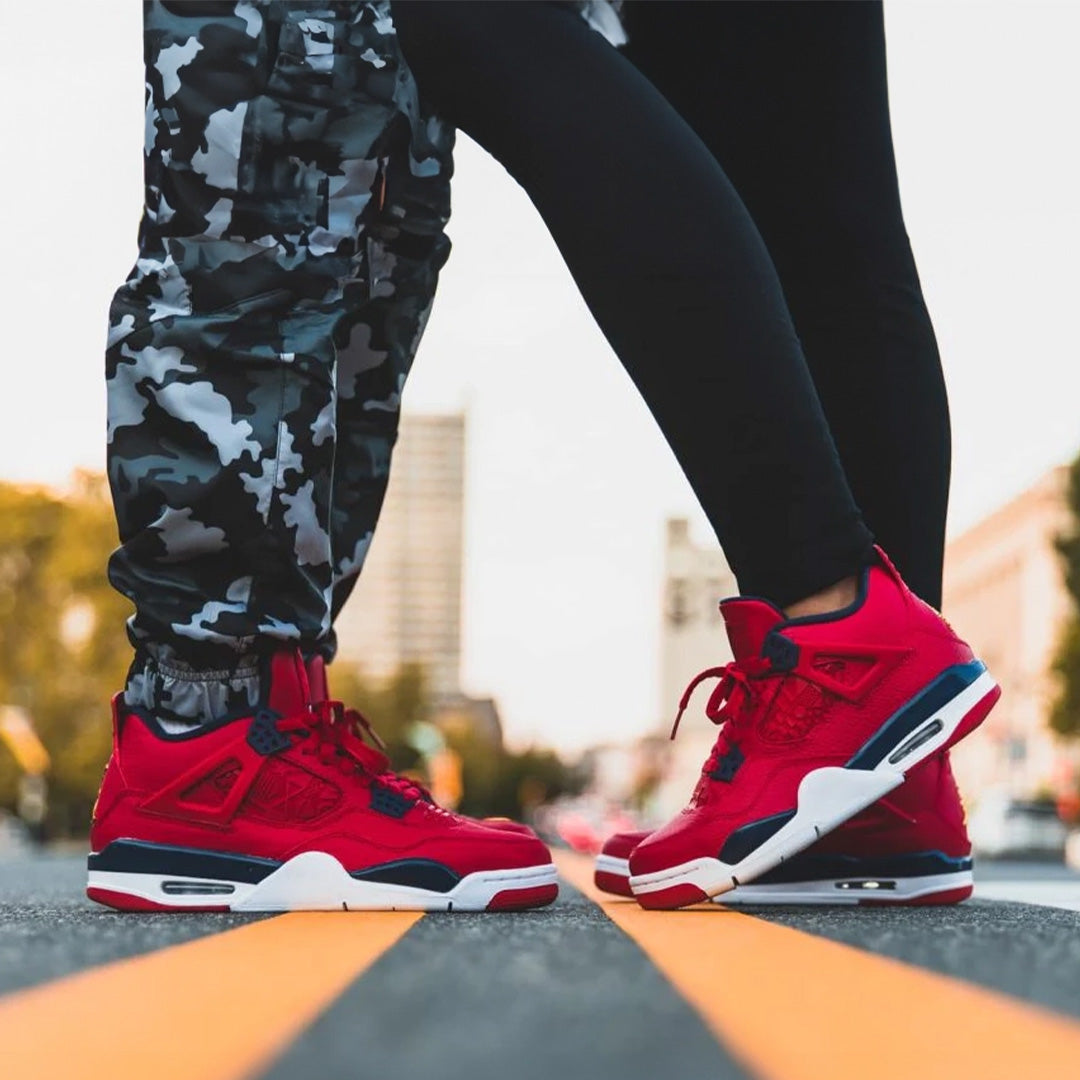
(581, 989)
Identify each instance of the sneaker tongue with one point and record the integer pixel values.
(316, 677)
(747, 623)
(289, 693)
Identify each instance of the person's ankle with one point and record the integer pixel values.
(834, 598)
(183, 695)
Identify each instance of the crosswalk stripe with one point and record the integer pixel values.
(217, 1008)
(793, 1006)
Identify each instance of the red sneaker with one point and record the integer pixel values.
(320, 695)
(910, 847)
(290, 810)
(508, 824)
(611, 868)
(822, 716)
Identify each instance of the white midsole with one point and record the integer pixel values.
(826, 798)
(608, 864)
(316, 881)
(849, 890)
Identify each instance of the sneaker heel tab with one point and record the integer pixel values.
(118, 718)
(318, 685)
(120, 714)
(285, 687)
(883, 562)
(884, 565)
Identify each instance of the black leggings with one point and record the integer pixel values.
(791, 99)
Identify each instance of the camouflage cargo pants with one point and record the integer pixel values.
(289, 250)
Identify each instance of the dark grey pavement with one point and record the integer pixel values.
(557, 993)
(1030, 952)
(537, 996)
(48, 928)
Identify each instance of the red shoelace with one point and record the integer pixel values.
(363, 727)
(729, 703)
(337, 737)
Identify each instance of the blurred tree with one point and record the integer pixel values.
(392, 705)
(1065, 715)
(503, 783)
(649, 776)
(63, 651)
(496, 782)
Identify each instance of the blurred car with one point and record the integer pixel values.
(1003, 827)
(1072, 850)
(582, 823)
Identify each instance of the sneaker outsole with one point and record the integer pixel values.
(316, 881)
(522, 899)
(869, 890)
(612, 874)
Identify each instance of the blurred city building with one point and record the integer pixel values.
(1005, 594)
(407, 605)
(692, 637)
(625, 774)
(460, 714)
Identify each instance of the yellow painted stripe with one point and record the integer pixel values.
(792, 1006)
(217, 1008)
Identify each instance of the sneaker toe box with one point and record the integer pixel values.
(679, 841)
(621, 845)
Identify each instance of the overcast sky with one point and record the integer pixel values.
(569, 481)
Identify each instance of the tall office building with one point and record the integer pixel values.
(407, 604)
(1005, 593)
(692, 638)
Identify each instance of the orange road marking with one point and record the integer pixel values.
(792, 1006)
(217, 1008)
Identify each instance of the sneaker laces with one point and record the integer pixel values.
(728, 703)
(337, 737)
(362, 727)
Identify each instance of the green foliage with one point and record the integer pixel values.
(1065, 715)
(496, 782)
(502, 783)
(63, 651)
(392, 705)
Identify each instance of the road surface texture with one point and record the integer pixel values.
(590, 988)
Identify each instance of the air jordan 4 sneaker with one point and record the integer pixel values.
(290, 809)
(820, 717)
(911, 847)
(319, 689)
